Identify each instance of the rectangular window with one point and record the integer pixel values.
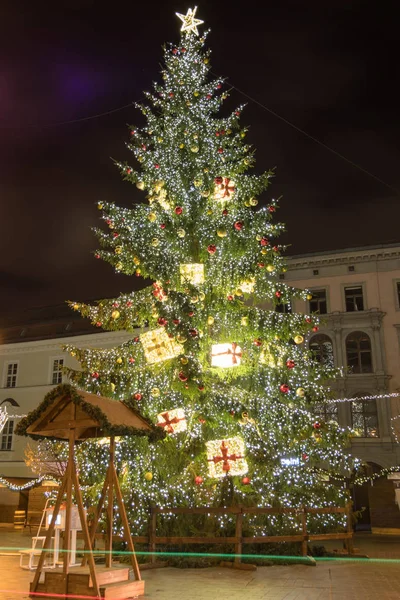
(11, 375)
(318, 302)
(283, 307)
(327, 411)
(354, 298)
(365, 418)
(7, 436)
(57, 373)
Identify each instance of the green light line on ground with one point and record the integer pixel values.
(305, 559)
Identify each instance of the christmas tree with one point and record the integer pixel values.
(215, 358)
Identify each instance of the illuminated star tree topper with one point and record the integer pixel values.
(189, 22)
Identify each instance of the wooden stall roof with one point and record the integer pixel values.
(92, 416)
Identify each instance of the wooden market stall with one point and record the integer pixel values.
(70, 414)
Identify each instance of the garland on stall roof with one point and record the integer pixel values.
(26, 486)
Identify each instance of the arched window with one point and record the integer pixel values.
(322, 348)
(364, 417)
(6, 426)
(358, 352)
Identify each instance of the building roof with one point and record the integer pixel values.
(91, 416)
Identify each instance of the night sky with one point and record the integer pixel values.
(330, 67)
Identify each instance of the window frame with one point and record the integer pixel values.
(317, 335)
(5, 374)
(364, 415)
(51, 369)
(360, 372)
(284, 312)
(319, 289)
(6, 434)
(364, 296)
(396, 283)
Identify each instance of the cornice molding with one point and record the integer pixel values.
(329, 260)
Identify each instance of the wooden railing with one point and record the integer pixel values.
(303, 537)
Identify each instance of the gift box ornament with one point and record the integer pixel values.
(224, 189)
(158, 346)
(226, 457)
(172, 421)
(226, 355)
(248, 285)
(192, 273)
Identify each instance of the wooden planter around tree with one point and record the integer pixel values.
(70, 414)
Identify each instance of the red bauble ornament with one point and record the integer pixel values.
(315, 328)
(95, 375)
(115, 234)
(271, 209)
(257, 342)
(284, 388)
(144, 147)
(136, 339)
(208, 96)
(217, 134)
(246, 480)
(219, 86)
(138, 396)
(211, 249)
(178, 210)
(193, 332)
(200, 387)
(220, 150)
(308, 320)
(174, 50)
(198, 480)
(97, 255)
(218, 180)
(264, 242)
(261, 265)
(129, 171)
(162, 321)
(133, 132)
(115, 304)
(162, 225)
(202, 421)
(171, 94)
(156, 166)
(237, 113)
(222, 132)
(176, 321)
(278, 294)
(131, 360)
(238, 225)
(191, 313)
(230, 298)
(290, 364)
(182, 376)
(183, 50)
(129, 304)
(98, 324)
(225, 212)
(304, 456)
(275, 248)
(316, 425)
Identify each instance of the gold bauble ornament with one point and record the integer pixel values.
(246, 161)
(221, 232)
(253, 201)
(194, 149)
(258, 237)
(75, 306)
(188, 103)
(196, 94)
(119, 360)
(197, 182)
(247, 203)
(270, 268)
(229, 131)
(264, 251)
(244, 321)
(205, 194)
(148, 476)
(118, 266)
(155, 242)
(238, 292)
(140, 185)
(136, 260)
(99, 206)
(112, 386)
(298, 339)
(300, 392)
(242, 134)
(181, 233)
(152, 217)
(309, 296)
(209, 212)
(140, 158)
(202, 296)
(160, 140)
(181, 146)
(194, 299)
(138, 271)
(206, 61)
(118, 250)
(181, 339)
(210, 320)
(184, 360)
(155, 392)
(115, 314)
(206, 169)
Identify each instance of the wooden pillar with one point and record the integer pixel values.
(110, 514)
(238, 536)
(67, 531)
(303, 515)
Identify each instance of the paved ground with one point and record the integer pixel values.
(333, 580)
